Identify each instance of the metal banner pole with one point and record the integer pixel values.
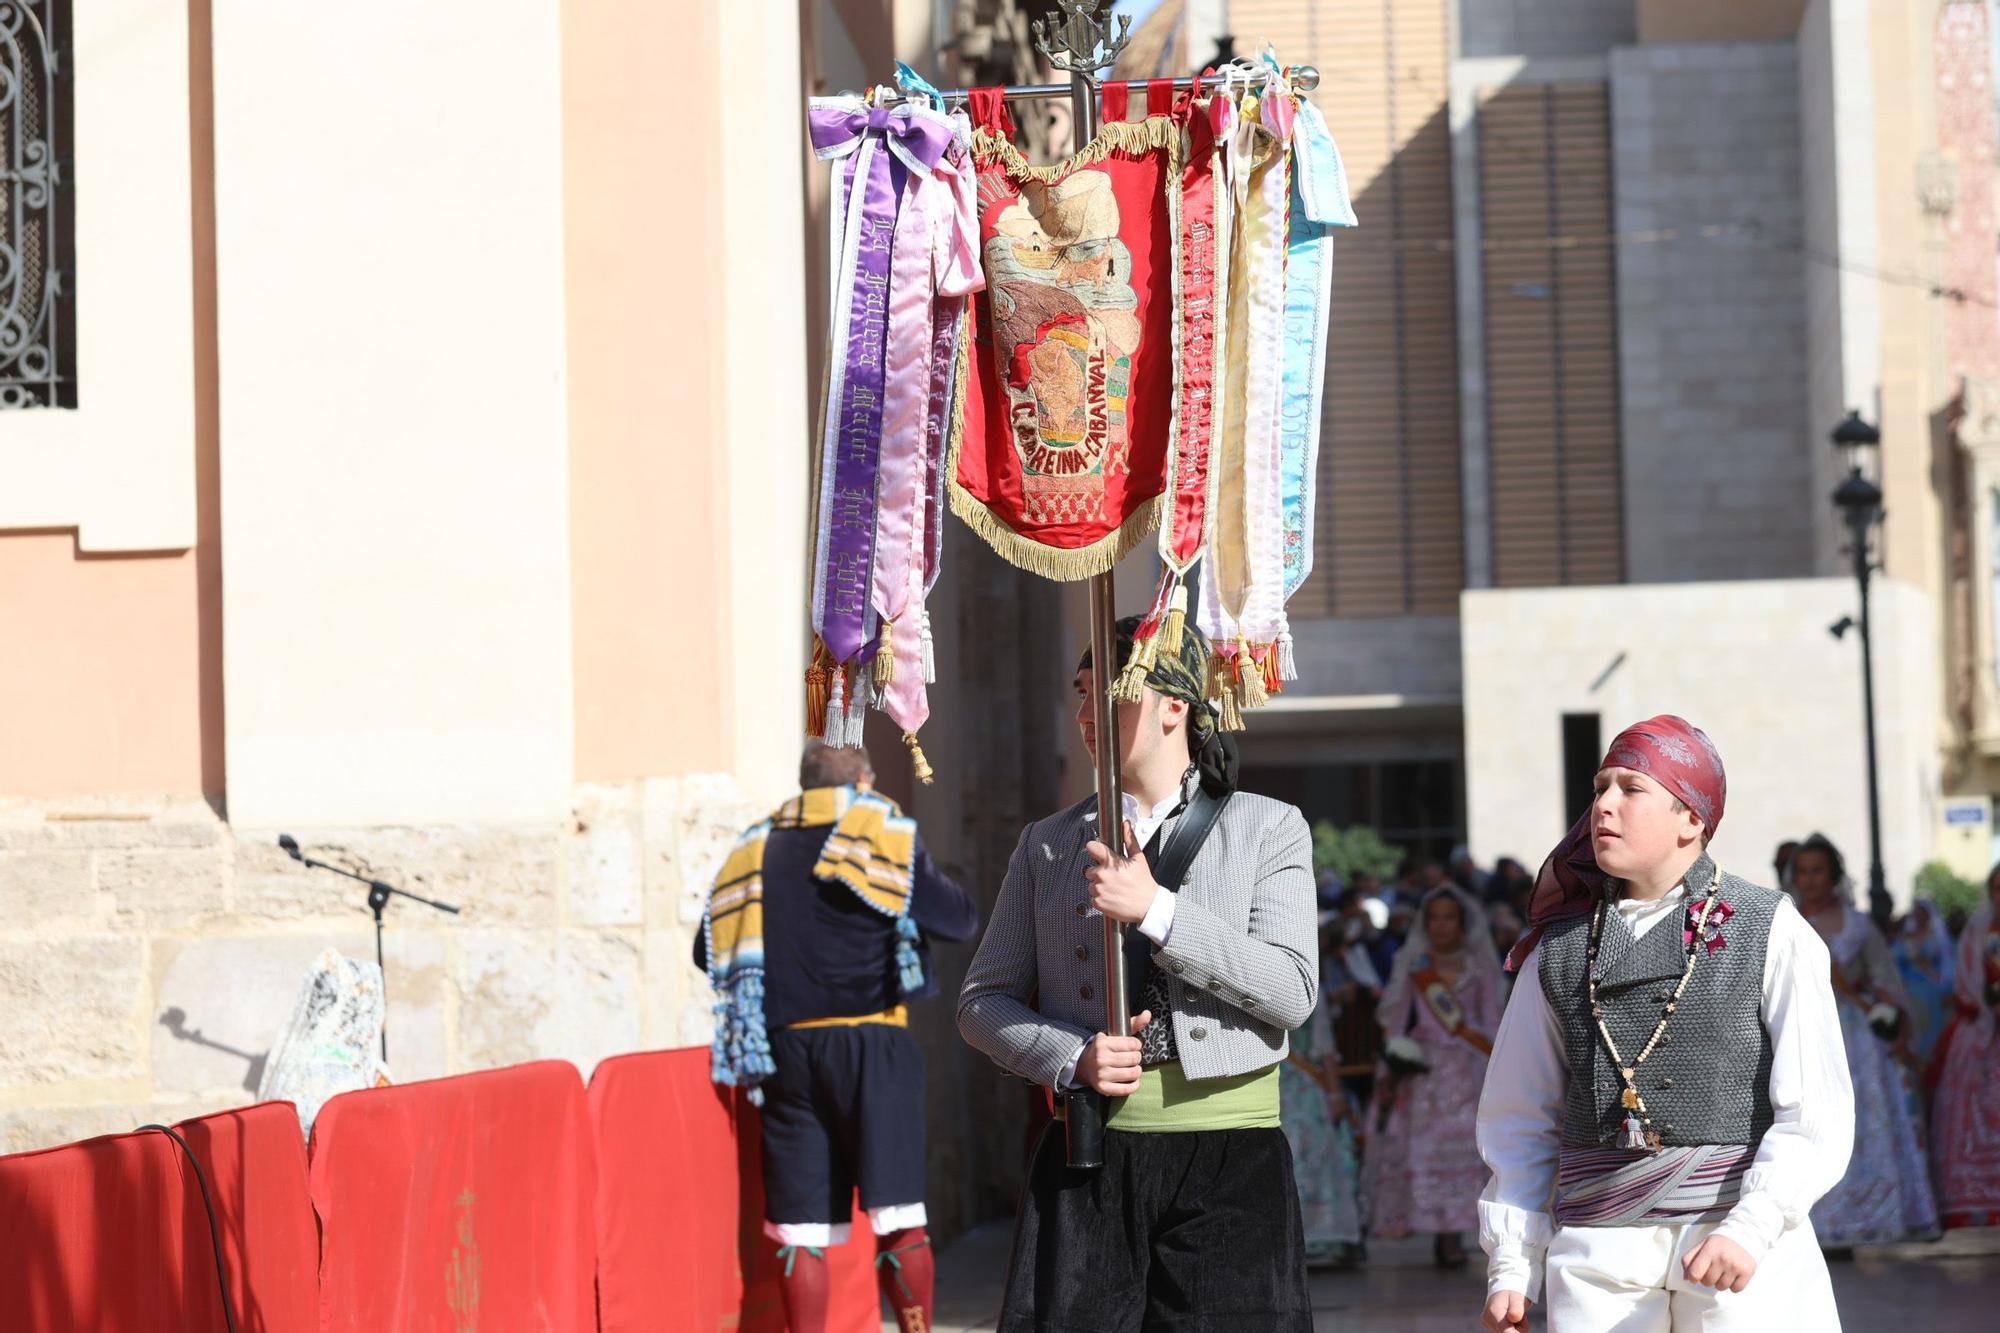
(1082, 43)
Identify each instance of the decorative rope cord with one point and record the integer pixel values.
(1640, 1134)
(896, 1265)
(790, 1254)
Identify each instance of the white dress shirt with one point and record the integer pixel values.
(1801, 1156)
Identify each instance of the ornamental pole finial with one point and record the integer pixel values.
(1081, 40)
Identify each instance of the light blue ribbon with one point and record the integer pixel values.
(1319, 204)
(913, 83)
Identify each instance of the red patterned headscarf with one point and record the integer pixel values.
(1674, 753)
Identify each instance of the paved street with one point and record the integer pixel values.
(1949, 1286)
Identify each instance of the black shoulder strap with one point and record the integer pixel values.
(1188, 836)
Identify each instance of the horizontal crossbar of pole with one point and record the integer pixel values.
(1305, 78)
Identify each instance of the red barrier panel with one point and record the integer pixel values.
(680, 1209)
(255, 1161)
(462, 1203)
(110, 1234)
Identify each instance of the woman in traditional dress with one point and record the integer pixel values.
(1319, 1124)
(1967, 1141)
(1924, 958)
(1886, 1194)
(1423, 1172)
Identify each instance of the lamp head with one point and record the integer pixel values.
(1854, 433)
(1858, 498)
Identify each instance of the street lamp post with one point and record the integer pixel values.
(1859, 501)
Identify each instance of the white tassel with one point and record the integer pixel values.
(836, 710)
(1287, 669)
(857, 711)
(930, 651)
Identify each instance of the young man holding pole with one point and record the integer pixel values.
(1670, 1071)
(1192, 1220)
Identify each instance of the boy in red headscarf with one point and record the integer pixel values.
(1670, 1073)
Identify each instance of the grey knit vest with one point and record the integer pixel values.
(1709, 1080)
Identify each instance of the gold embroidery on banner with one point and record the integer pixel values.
(1065, 332)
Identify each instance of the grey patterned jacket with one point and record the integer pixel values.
(1242, 957)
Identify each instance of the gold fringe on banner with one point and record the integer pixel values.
(1065, 565)
(1133, 136)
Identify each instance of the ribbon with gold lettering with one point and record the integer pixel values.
(875, 152)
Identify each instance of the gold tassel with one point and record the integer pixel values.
(819, 688)
(1146, 653)
(1249, 677)
(1130, 687)
(1175, 623)
(1273, 684)
(1230, 718)
(918, 764)
(885, 656)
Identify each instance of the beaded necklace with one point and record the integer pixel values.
(1639, 1134)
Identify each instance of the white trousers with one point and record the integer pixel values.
(1630, 1280)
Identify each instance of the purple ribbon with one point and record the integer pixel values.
(918, 143)
(919, 140)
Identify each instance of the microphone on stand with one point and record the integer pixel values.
(379, 894)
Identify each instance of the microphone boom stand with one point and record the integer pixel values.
(379, 894)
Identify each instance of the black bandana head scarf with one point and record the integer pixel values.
(1184, 676)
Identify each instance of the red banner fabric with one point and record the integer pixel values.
(110, 1234)
(1059, 451)
(680, 1243)
(459, 1204)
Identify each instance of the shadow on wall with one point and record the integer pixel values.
(174, 1020)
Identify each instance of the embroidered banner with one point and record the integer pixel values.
(1059, 451)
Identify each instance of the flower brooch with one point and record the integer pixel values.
(1711, 932)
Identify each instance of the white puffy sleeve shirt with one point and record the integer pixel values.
(1801, 1157)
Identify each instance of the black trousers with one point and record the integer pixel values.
(1176, 1233)
(845, 1108)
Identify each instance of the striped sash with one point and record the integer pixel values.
(1616, 1187)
